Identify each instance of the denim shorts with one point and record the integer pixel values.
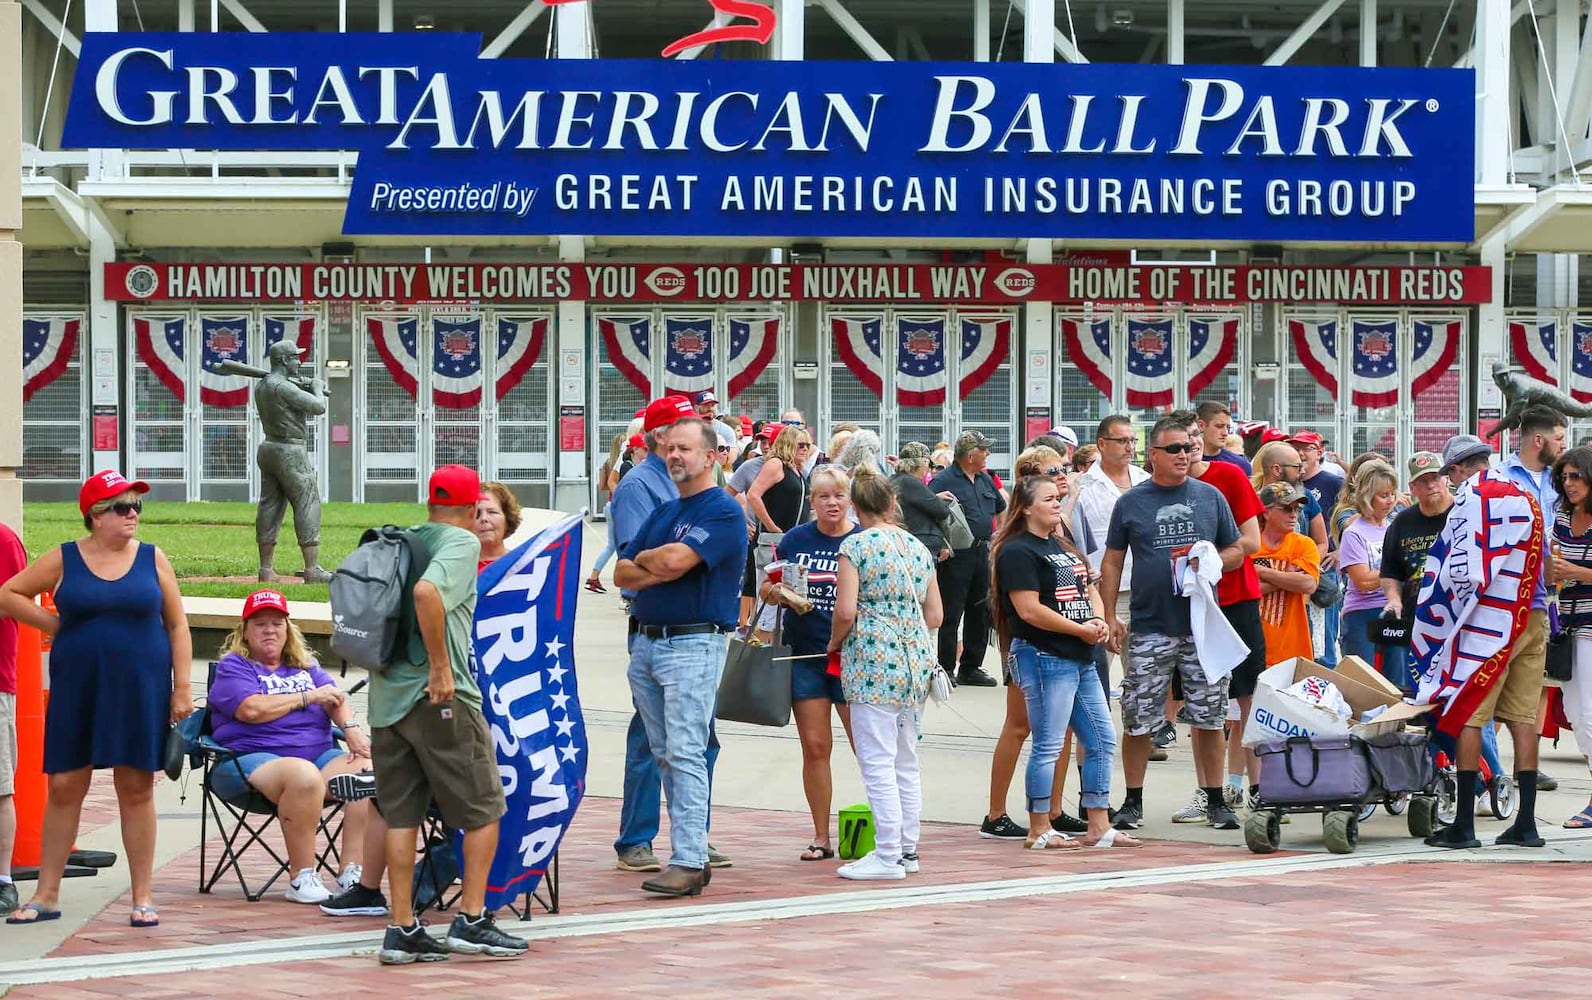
(230, 785)
(811, 679)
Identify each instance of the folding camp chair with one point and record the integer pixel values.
(437, 868)
(244, 820)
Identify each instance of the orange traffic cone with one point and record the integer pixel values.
(31, 787)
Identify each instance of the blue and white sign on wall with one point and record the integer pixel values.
(452, 144)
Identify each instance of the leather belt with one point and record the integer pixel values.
(671, 631)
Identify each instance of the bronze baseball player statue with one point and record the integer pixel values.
(1521, 392)
(285, 401)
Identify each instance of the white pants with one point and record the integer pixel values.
(886, 741)
(1578, 695)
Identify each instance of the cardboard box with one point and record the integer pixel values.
(1275, 715)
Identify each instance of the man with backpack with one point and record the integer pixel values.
(429, 741)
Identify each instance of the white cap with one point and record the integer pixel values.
(1066, 434)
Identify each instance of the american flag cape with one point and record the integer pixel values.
(1475, 596)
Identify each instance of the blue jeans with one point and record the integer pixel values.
(230, 780)
(609, 549)
(675, 685)
(1059, 692)
(1357, 642)
(1329, 634)
(638, 811)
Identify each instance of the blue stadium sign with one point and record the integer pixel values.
(452, 144)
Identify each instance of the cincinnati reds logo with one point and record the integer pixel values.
(666, 281)
(1016, 281)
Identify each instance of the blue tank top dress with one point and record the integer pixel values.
(110, 669)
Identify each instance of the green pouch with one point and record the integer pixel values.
(856, 831)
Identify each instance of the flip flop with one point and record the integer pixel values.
(824, 853)
(1580, 821)
(147, 912)
(1052, 840)
(1114, 838)
(40, 914)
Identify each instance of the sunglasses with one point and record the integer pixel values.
(122, 508)
(1290, 465)
(1175, 449)
(1571, 476)
(939, 468)
(1126, 442)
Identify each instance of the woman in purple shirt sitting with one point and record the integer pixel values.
(273, 706)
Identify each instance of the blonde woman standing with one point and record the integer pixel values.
(1371, 495)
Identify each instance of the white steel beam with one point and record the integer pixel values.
(1367, 32)
(1492, 94)
(510, 34)
(1065, 47)
(248, 20)
(720, 19)
(53, 23)
(1467, 58)
(1174, 33)
(384, 15)
(1302, 34)
(1526, 72)
(1039, 27)
(981, 30)
(790, 31)
(854, 29)
(1578, 98)
(185, 15)
(572, 30)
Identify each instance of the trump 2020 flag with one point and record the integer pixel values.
(524, 661)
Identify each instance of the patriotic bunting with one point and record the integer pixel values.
(1150, 374)
(48, 346)
(984, 347)
(857, 343)
(754, 340)
(160, 346)
(456, 362)
(395, 340)
(920, 361)
(1535, 347)
(1374, 359)
(1315, 344)
(687, 354)
(1212, 345)
(223, 338)
(1581, 360)
(1152, 355)
(627, 345)
(1088, 344)
(520, 344)
(300, 328)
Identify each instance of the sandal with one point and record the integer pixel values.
(1114, 838)
(151, 917)
(822, 853)
(1051, 840)
(40, 914)
(1580, 821)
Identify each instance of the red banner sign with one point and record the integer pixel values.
(993, 283)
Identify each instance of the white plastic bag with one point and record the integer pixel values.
(1323, 694)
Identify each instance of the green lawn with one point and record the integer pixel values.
(217, 539)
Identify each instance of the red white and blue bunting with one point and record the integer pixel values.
(159, 340)
(688, 345)
(49, 343)
(1151, 361)
(1581, 361)
(456, 361)
(395, 339)
(920, 350)
(1374, 363)
(223, 338)
(300, 328)
(520, 343)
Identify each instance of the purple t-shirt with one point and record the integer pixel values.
(305, 733)
(1362, 545)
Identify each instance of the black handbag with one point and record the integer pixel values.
(755, 687)
(1328, 592)
(1561, 656)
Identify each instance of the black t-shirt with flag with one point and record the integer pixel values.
(1028, 562)
(1409, 537)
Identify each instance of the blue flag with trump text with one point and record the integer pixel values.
(525, 664)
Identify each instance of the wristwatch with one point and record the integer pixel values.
(350, 724)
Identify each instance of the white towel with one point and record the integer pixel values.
(1219, 645)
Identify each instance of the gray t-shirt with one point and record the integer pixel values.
(742, 481)
(1159, 524)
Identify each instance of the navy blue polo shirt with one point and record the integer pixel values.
(714, 526)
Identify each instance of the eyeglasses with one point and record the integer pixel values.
(1175, 449)
(804, 444)
(1126, 442)
(125, 507)
(938, 468)
(1290, 465)
(1292, 508)
(1571, 476)
(1055, 470)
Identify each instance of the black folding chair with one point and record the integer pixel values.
(243, 820)
(436, 885)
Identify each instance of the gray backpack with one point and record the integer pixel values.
(373, 599)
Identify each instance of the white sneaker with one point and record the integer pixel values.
(1233, 796)
(1194, 812)
(349, 878)
(307, 887)
(909, 862)
(872, 868)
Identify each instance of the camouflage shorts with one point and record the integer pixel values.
(1147, 675)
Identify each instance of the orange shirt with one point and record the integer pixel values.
(1282, 613)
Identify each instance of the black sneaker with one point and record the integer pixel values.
(1129, 817)
(1068, 823)
(976, 678)
(1002, 829)
(352, 787)
(1221, 816)
(403, 945)
(1164, 736)
(358, 901)
(481, 936)
(8, 898)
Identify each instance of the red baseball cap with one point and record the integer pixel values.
(260, 600)
(746, 426)
(103, 485)
(664, 412)
(1307, 437)
(1271, 434)
(637, 441)
(454, 486)
(771, 429)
